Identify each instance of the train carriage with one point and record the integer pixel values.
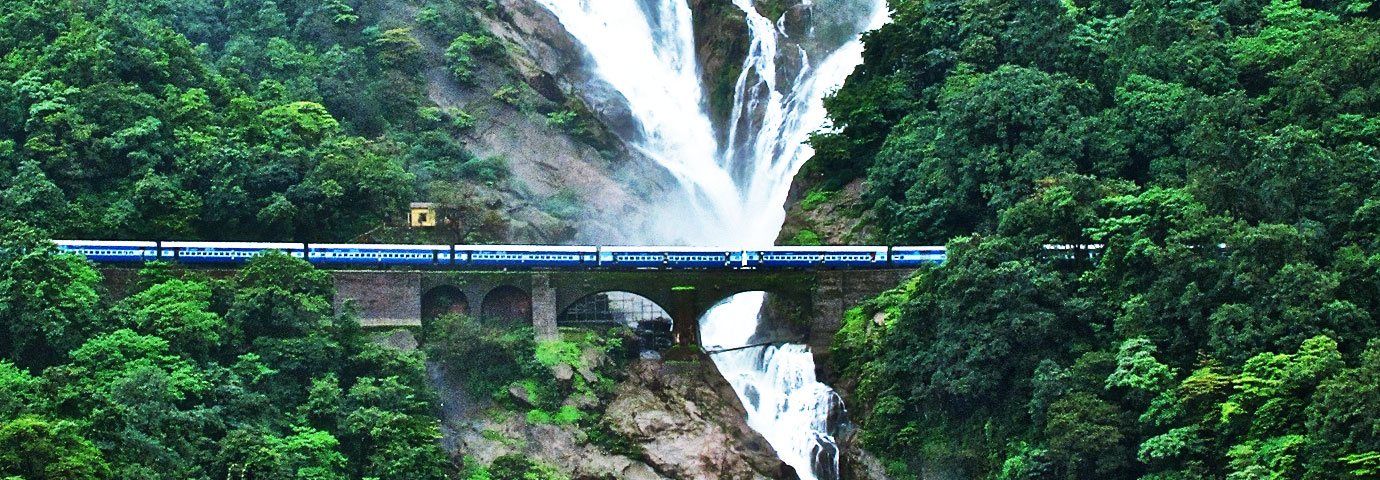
(526, 256)
(110, 250)
(669, 257)
(379, 254)
(916, 256)
(224, 252)
(829, 257)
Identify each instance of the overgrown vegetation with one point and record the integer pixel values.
(189, 377)
(522, 376)
(1223, 158)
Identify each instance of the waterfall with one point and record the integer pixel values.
(733, 194)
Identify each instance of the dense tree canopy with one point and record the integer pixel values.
(187, 119)
(1160, 219)
(192, 378)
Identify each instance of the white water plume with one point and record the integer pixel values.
(777, 386)
(646, 51)
(733, 194)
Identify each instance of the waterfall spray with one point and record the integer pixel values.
(733, 195)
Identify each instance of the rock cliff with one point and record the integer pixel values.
(576, 182)
(684, 418)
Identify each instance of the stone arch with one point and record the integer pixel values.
(444, 300)
(614, 307)
(777, 318)
(705, 303)
(508, 305)
(650, 322)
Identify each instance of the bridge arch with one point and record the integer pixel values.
(613, 307)
(444, 300)
(507, 304)
(650, 322)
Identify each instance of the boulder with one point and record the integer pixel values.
(519, 393)
(690, 422)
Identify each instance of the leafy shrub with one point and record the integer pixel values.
(538, 416)
(489, 359)
(805, 237)
(567, 415)
(489, 169)
(816, 197)
(565, 204)
(558, 352)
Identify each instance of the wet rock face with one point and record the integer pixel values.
(557, 63)
(471, 429)
(721, 43)
(603, 184)
(859, 464)
(690, 423)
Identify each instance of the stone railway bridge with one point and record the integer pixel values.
(815, 300)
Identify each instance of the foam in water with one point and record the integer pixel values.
(777, 387)
(733, 195)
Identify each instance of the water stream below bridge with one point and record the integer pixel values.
(732, 193)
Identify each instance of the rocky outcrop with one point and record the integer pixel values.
(690, 422)
(682, 414)
(564, 187)
(858, 464)
(721, 41)
(555, 63)
(474, 428)
(834, 218)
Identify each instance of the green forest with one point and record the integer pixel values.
(239, 120)
(236, 120)
(1162, 222)
(190, 377)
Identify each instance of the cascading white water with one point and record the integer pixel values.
(733, 194)
(646, 51)
(777, 386)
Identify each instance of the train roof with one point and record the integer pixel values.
(1085, 246)
(246, 245)
(527, 248)
(666, 249)
(105, 243)
(929, 247)
(377, 246)
(804, 248)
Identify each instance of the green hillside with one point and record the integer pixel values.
(1225, 158)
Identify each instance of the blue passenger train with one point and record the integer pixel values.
(513, 256)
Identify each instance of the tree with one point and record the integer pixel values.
(399, 50)
(35, 200)
(1085, 431)
(282, 310)
(177, 311)
(1137, 368)
(48, 302)
(306, 454)
(35, 448)
(18, 391)
(946, 172)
